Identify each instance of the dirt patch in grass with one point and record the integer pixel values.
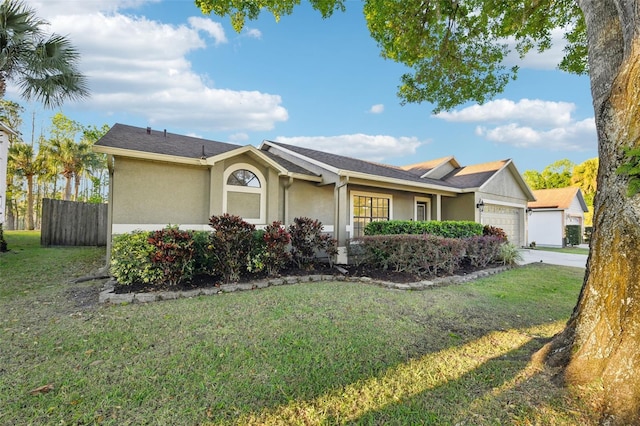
(84, 296)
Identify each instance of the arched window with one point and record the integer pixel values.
(244, 177)
(245, 193)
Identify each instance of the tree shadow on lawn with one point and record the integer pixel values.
(450, 352)
(485, 381)
(323, 375)
(506, 389)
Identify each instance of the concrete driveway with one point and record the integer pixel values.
(553, 258)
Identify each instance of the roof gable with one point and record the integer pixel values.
(137, 142)
(557, 198)
(435, 169)
(474, 176)
(339, 164)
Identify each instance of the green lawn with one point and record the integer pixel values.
(572, 250)
(316, 353)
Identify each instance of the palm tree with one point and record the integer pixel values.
(84, 161)
(24, 163)
(62, 154)
(44, 66)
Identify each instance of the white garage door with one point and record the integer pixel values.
(507, 218)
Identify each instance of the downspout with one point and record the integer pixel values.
(285, 212)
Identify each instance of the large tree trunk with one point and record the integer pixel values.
(601, 343)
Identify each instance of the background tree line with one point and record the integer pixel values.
(564, 173)
(59, 165)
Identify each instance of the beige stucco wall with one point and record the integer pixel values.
(306, 199)
(147, 192)
(462, 207)
(403, 206)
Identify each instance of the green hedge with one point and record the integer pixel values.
(426, 254)
(447, 228)
(573, 234)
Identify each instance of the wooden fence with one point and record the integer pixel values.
(70, 223)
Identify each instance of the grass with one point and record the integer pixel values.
(317, 353)
(572, 250)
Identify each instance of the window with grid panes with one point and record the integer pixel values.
(368, 209)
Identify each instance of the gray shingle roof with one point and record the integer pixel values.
(474, 176)
(136, 138)
(288, 165)
(160, 142)
(360, 166)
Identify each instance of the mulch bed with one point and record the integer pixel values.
(212, 281)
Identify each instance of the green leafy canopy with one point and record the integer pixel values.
(455, 50)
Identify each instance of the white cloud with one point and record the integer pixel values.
(239, 137)
(253, 33)
(50, 8)
(528, 124)
(214, 29)
(377, 109)
(364, 147)
(576, 136)
(532, 111)
(140, 66)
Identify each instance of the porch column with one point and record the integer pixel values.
(438, 207)
(342, 206)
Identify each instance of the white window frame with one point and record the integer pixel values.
(354, 194)
(427, 202)
(262, 191)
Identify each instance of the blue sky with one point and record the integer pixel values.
(303, 81)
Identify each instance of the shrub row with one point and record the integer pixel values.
(427, 255)
(447, 228)
(171, 256)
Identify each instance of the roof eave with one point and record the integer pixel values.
(145, 155)
(302, 176)
(396, 181)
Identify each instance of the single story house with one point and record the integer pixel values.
(159, 178)
(551, 212)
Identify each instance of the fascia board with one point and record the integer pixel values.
(399, 182)
(120, 152)
(583, 203)
(301, 176)
(243, 150)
